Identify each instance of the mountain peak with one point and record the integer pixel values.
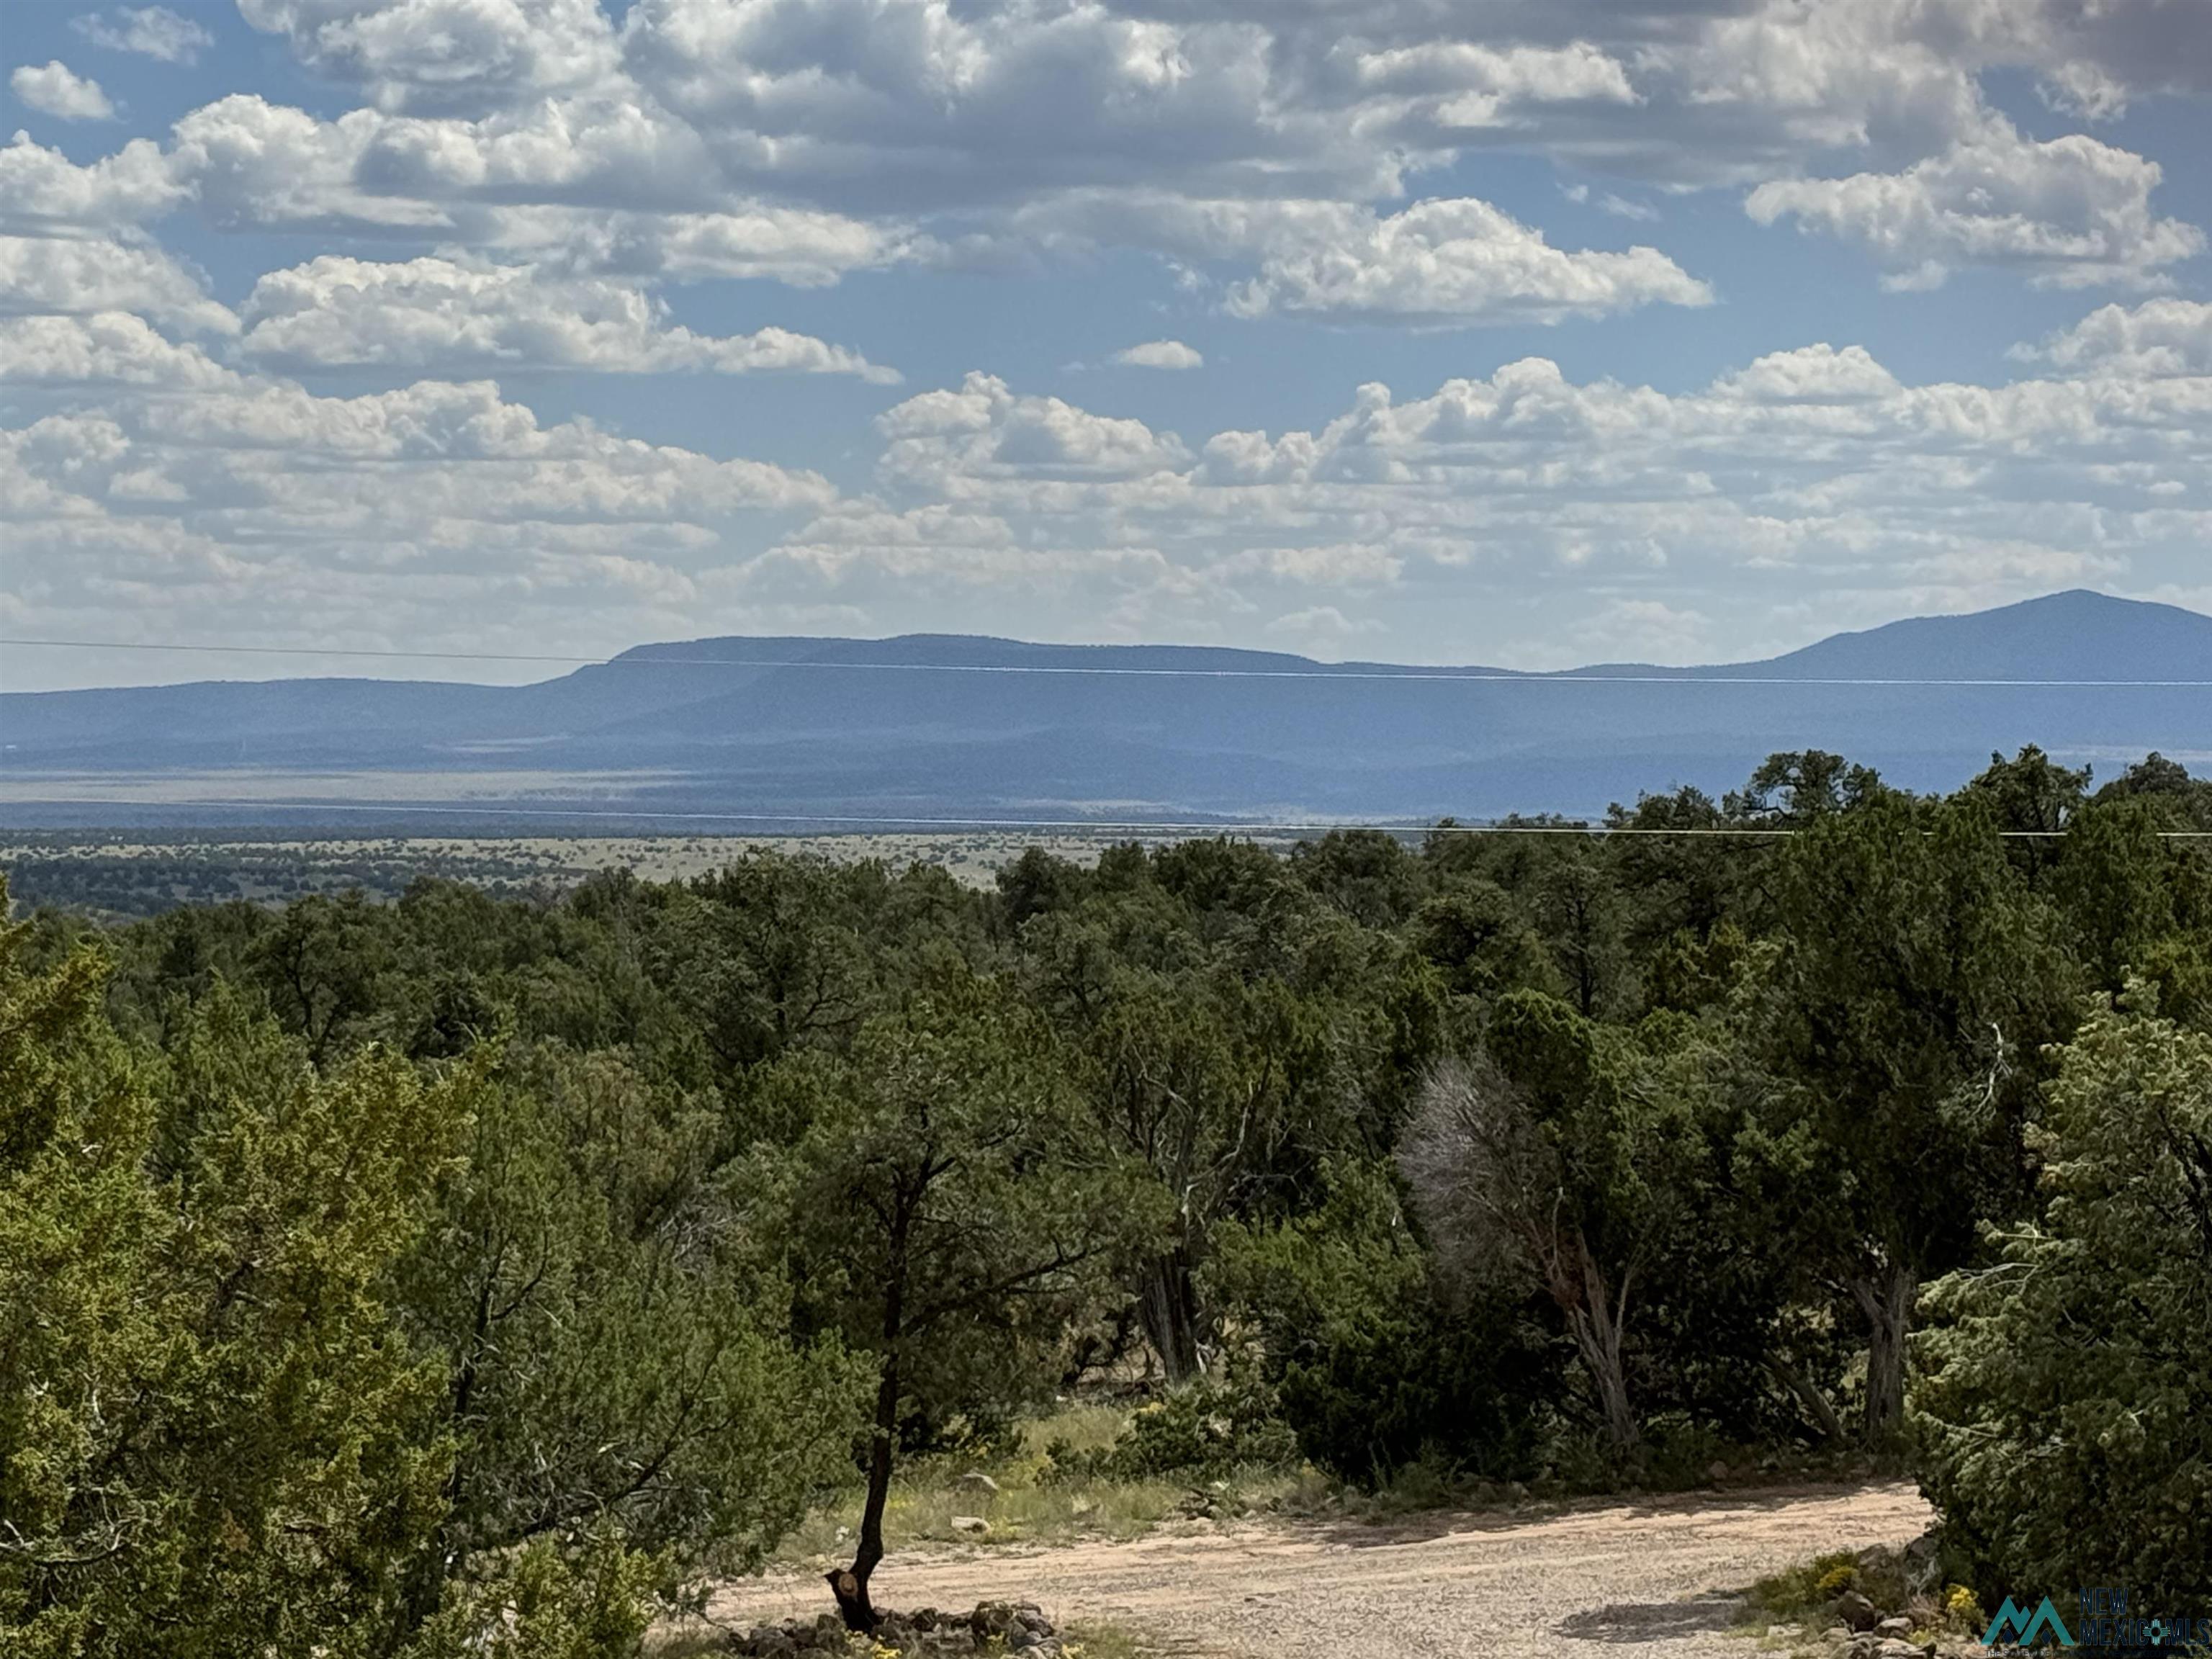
(2077, 634)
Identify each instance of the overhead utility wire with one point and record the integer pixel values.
(1094, 825)
(1485, 677)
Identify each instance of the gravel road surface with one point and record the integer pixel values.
(1648, 1578)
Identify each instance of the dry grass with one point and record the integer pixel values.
(1093, 1641)
(1030, 1506)
(690, 1640)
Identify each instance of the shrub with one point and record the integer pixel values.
(1836, 1580)
(1962, 1609)
(1807, 1593)
(1373, 1368)
(1202, 1432)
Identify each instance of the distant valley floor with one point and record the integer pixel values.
(123, 874)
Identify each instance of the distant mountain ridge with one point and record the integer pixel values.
(818, 728)
(2073, 635)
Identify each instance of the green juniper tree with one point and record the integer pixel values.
(1900, 1021)
(214, 1436)
(611, 1324)
(949, 1206)
(2064, 1406)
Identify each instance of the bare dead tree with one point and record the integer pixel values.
(1494, 1195)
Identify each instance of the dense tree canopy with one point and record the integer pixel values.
(471, 1273)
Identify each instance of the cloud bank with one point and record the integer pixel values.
(262, 358)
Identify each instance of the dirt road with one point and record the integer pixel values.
(1652, 1575)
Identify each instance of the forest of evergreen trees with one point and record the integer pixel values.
(469, 1274)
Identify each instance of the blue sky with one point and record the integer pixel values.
(1520, 332)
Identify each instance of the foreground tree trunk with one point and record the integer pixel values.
(1597, 1320)
(850, 1585)
(1886, 1298)
(1167, 1300)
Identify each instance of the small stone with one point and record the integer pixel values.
(1718, 1471)
(1894, 1628)
(971, 1526)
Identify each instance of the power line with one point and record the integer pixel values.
(1479, 677)
(1096, 826)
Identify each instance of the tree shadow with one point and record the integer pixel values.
(1653, 1622)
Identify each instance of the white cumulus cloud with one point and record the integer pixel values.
(1807, 475)
(2068, 212)
(477, 186)
(109, 347)
(433, 511)
(54, 88)
(149, 31)
(42, 189)
(1160, 354)
(953, 439)
(434, 53)
(80, 275)
(440, 313)
(2156, 339)
(1452, 261)
(804, 139)
(1665, 522)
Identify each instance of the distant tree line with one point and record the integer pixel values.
(121, 877)
(468, 1274)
